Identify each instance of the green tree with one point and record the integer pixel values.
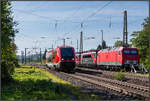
(141, 41)
(44, 55)
(99, 47)
(9, 59)
(118, 43)
(104, 44)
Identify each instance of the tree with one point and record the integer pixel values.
(118, 43)
(99, 47)
(9, 59)
(104, 44)
(44, 55)
(141, 41)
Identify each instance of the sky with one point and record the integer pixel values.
(42, 24)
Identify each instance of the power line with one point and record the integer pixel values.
(98, 10)
(31, 13)
(74, 13)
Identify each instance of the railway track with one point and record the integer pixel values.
(132, 86)
(128, 89)
(127, 75)
(118, 86)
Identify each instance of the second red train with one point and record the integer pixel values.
(111, 58)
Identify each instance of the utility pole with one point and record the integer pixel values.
(102, 39)
(125, 33)
(81, 39)
(64, 41)
(25, 54)
(52, 46)
(32, 56)
(110, 23)
(71, 42)
(22, 59)
(40, 56)
(77, 45)
(29, 56)
(81, 42)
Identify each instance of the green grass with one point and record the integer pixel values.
(31, 85)
(146, 75)
(36, 84)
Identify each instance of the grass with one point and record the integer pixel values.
(30, 84)
(37, 84)
(146, 75)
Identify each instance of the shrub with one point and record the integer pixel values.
(119, 76)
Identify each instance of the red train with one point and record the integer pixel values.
(62, 58)
(87, 58)
(114, 58)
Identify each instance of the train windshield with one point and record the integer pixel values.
(130, 52)
(67, 53)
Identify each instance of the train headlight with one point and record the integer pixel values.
(72, 58)
(134, 62)
(127, 62)
(131, 62)
(62, 59)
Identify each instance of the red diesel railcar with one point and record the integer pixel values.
(62, 58)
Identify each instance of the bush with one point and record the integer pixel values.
(119, 76)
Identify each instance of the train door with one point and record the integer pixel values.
(96, 55)
(53, 56)
(116, 58)
(119, 58)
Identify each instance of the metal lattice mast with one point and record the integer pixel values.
(125, 33)
(81, 39)
(102, 39)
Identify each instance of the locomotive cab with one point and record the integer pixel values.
(67, 57)
(62, 58)
(130, 58)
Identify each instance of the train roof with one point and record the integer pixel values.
(89, 51)
(50, 50)
(65, 47)
(115, 49)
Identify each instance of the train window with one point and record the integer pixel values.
(131, 52)
(95, 55)
(134, 52)
(54, 55)
(49, 59)
(87, 56)
(126, 52)
(119, 53)
(67, 53)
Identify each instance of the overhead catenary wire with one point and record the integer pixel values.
(98, 10)
(31, 13)
(56, 21)
(85, 20)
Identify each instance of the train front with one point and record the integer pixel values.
(67, 58)
(131, 57)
